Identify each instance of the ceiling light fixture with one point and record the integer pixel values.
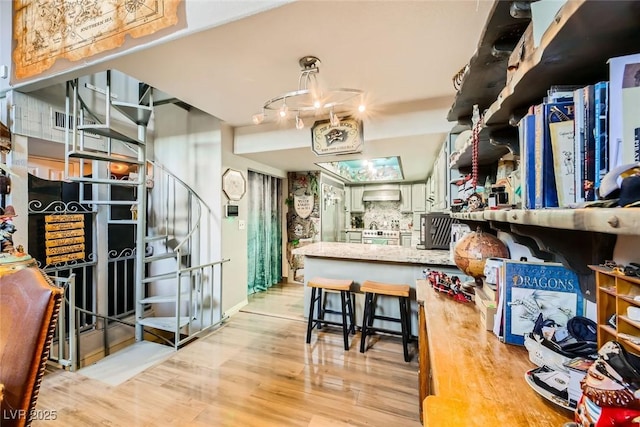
(311, 99)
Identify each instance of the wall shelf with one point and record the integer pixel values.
(574, 50)
(601, 220)
(486, 75)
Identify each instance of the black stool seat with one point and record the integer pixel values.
(374, 289)
(317, 284)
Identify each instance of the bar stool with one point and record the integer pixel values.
(318, 302)
(374, 289)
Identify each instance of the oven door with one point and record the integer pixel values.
(375, 241)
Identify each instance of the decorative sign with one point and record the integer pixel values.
(342, 139)
(47, 30)
(303, 205)
(233, 184)
(64, 237)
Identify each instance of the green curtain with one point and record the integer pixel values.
(264, 231)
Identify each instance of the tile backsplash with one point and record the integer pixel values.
(385, 214)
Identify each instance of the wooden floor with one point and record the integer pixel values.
(256, 370)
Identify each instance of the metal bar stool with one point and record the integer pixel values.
(318, 302)
(374, 289)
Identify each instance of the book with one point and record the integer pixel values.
(589, 144)
(630, 112)
(539, 157)
(617, 69)
(559, 116)
(533, 288)
(601, 131)
(578, 136)
(527, 127)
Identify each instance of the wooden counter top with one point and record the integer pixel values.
(473, 373)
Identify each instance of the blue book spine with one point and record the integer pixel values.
(549, 189)
(539, 147)
(589, 168)
(527, 148)
(534, 288)
(560, 137)
(601, 150)
(578, 134)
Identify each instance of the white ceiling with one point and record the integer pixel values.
(402, 53)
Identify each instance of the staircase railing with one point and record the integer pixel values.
(197, 275)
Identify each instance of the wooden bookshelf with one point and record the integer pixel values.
(615, 294)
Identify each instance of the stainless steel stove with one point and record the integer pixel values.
(381, 237)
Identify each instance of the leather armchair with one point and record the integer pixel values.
(29, 306)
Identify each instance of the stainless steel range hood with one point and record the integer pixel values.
(381, 196)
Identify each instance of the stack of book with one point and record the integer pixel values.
(572, 139)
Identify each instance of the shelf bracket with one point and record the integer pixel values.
(575, 249)
(506, 137)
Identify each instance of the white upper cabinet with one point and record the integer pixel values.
(405, 198)
(419, 197)
(357, 205)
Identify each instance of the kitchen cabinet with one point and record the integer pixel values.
(347, 198)
(354, 236)
(418, 197)
(357, 205)
(405, 198)
(405, 239)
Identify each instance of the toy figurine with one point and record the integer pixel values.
(7, 229)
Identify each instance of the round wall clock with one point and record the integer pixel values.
(233, 184)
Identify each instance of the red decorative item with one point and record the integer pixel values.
(451, 286)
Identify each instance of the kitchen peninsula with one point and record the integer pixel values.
(380, 263)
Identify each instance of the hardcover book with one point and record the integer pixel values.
(617, 71)
(527, 129)
(533, 288)
(589, 144)
(578, 133)
(559, 117)
(630, 112)
(601, 131)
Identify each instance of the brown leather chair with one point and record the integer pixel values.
(29, 306)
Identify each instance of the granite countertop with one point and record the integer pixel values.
(360, 252)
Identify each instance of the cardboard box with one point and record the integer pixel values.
(487, 309)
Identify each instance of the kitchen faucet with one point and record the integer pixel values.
(373, 225)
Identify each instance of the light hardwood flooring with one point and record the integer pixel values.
(256, 370)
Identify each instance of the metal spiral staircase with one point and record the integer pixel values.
(177, 280)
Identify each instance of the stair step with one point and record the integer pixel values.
(155, 238)
(123, 221)
(106, 131)
(164, 323)
(166, 255)
(92, 155)
(164, 298)
(164, 276)
(113, 202)
(139, 114)
(120, 182)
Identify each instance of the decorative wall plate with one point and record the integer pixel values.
(233, 184)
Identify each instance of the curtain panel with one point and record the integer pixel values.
(264, 232)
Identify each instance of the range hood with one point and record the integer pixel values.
(381, 196)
